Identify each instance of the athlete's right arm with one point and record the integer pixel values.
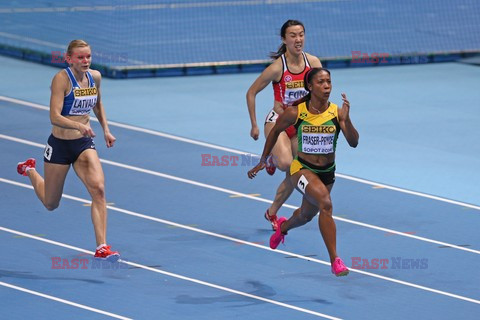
(271, 73)
(59, 88)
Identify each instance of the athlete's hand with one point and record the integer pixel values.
(254, 132)
(109, 139)
(86, 131)
(344, 113)
(253, 172)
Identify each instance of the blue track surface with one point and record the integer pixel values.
(201, 232)
(405, 115)
(193, 239)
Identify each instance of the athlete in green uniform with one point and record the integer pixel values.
(318, 123)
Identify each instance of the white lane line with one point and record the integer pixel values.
(212, 146)
(160, 6)
(74, 304)
(232, 192)
(174, 275)
(32, 40)
(178, 225)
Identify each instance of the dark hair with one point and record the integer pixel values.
(310, 74)
(306, 80)
(283, 31)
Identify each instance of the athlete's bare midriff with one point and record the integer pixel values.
(317, 159)
(70, 134)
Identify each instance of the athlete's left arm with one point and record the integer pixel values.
(286, 119)
(314, 61)
(349, 131)
(99, 110)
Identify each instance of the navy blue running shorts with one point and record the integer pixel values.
(66, 151)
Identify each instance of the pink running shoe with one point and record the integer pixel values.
(270, 167)
(104, 253)
(278, 236)
(338, 268)
(272, 220)
(22, 167)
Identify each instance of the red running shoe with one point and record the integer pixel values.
(22, 167)
(270, 166)
(105, 253)
(338, 268)
(272, 219)
(278, 236)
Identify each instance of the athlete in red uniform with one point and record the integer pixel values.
(286, 73)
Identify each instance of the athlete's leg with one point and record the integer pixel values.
(294, 146)
(282, 155)
(89, 169)
(316, 199)
(285, 188)
(284, 191)
(281, 152)
(50, 189)
(300, 216)
(327, 225)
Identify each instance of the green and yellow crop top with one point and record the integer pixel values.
(317, 133)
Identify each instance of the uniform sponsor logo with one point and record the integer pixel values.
(294, 84)
(319, 129)
(85, 92)
(288, 78)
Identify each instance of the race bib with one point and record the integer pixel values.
(318, 139)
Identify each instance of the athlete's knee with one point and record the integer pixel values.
(282, 164)
(50, 206)
(325, 206)
(305, 218)
(97, 190)
(308, 218)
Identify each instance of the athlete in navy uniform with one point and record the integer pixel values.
(75, 91)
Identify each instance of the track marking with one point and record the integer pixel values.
(46, 296)
(178, 276)
(32, 40)
(235, 240)
(37, 235)
(212, 146)
(90, 204)
(240, 196)
(232, 192)
(177, 5)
